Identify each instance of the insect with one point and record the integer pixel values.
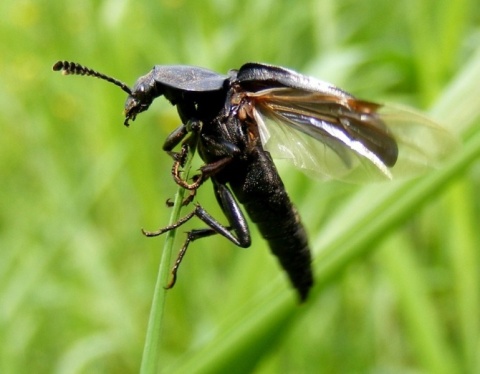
(240, 120)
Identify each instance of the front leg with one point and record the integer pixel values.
(173, 139)
(193, 126)
(180, 158)
(221, 150)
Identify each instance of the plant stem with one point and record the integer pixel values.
(151, 350)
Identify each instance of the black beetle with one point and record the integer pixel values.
(240, 120)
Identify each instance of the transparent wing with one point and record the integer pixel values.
(344, 138)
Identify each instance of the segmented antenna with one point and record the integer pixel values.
(74, 68)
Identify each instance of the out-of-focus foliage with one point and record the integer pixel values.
(76, 275)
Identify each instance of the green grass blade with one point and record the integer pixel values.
(151, 352)
(422, 320)
(464, 259)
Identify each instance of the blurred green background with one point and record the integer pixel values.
(77, 276)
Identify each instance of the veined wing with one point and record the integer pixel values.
(345, 138)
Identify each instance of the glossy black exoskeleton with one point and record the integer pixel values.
(238, 121)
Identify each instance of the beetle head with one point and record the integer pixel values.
(140, 98)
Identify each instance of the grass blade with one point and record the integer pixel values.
(151, 351)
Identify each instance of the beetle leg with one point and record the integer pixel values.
(206, 171)
(191, 195)
(234, 215)
(189, 198)
(191, 236)
(197, 179)
(180, 162)
(212, 168)
(225, 151)
(174, 226)
(174, 138)
(180, 159)
(231, 210)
